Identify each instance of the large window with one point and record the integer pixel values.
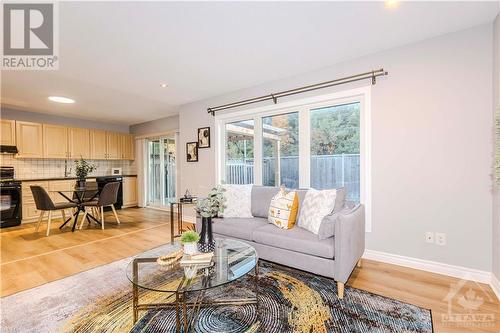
(280, 150)
(319, 142)
(239, 152)
(335, 147)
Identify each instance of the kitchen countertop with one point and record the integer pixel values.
(66, 178)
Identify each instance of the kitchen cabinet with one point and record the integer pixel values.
(126, 147)
(61, 185)
(113, 146)
(79, 143)
(97, 145)
(55, 141)
(29, 139)
(129, 191)
(8, 132)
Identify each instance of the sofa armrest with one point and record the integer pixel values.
(349, 241)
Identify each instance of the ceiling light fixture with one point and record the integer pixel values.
(60, 99)
(163, 85)
(391, 4)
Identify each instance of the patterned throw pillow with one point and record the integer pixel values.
(316, 205)
(283, 209)
(238, 200)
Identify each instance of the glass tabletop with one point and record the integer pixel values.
(76, 189)
(232, 260)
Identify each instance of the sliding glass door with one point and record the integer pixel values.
(161, 171)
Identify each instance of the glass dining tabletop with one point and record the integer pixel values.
(76, 189)
(232, 260)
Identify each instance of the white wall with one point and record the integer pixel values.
(9, 113)
(431, 145)
(496, 188)
(156, 126)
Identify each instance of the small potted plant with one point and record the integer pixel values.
(189, 239)
(82, 169)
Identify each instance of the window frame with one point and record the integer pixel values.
(303, 107)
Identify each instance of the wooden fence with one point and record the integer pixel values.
(327, 171)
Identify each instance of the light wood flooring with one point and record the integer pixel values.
(29, 259)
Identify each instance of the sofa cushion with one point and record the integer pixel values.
(261, 199)
(262, 195)
(340, 199)
(295, 239)
(238, 200)
(237, 227)
(316, 205)
(283, 209)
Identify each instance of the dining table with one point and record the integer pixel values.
(79, 196)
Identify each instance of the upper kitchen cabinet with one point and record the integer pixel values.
(79, 142)
(55, 141)
(29, 137)
(98, 145)
(113, 146)
(8, 132)
(127, 146)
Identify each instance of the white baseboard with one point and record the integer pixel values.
(431, 266)
(495, 285)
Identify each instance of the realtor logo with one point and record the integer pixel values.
(29, 36)
(465, 306)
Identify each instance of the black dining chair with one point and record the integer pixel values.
(44, 204)
(107, 197)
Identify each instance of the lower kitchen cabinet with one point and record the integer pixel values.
(129, 191)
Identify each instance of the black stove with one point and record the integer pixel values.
(10, 198)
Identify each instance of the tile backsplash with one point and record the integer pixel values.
(30, 168)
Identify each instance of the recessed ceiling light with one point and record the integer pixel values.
(391, 4)
(163, 85)
(60, 99)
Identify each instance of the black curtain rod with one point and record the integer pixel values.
(274, 97)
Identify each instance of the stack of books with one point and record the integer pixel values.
(198, 259)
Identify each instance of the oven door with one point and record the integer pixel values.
(10, 206)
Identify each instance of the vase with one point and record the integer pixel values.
(206, 243)
(80, 183)
(190, 248)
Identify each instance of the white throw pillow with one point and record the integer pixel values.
(238, 200)
(316, 205)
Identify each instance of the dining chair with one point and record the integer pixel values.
(90, 193)
(44, 204)
(107, 197)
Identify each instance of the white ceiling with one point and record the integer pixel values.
(114, 55)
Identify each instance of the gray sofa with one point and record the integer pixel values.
(334, 257)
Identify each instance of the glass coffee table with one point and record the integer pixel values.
(185, 286)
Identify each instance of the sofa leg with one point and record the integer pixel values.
(359, 264)
(340, 289)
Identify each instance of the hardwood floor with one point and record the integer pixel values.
(29, 259)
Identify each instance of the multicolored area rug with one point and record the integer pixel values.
(99, 300)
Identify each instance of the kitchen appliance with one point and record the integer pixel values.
(101, 181)
(8, 149)
(10, 198)
(116, 171)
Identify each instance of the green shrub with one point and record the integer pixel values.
(190, 237)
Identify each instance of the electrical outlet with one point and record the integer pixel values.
(440, 238)
(429, 237)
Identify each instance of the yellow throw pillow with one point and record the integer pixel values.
(283, 209)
